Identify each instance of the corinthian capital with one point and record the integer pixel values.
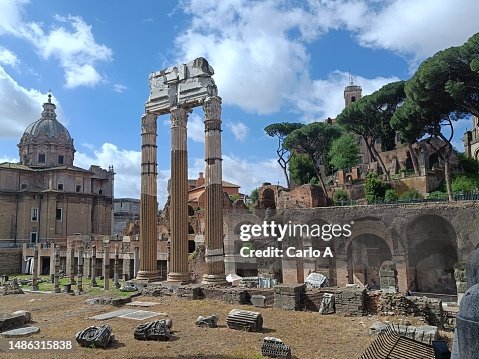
(179, 117)
(212, 108)
(148, 123)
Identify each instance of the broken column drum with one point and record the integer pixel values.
(176, 91)
(210, 321)
(245, 320)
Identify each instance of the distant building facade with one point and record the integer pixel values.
(124, 211)
(45, 198)
(471, 140)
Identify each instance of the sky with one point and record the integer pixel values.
(274, 61)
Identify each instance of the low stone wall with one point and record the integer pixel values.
(289, 296)
(11, 261)
(428, 308)
(350, 301)
(312, 298)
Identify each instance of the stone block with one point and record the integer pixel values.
(258, 300)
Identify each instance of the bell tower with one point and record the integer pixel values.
(352, 92)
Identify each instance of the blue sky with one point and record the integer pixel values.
(274, 61)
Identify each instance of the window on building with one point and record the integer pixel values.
(60, 160)
(100, 191)
(58, 215)
(33, 237)
(60, 186)
(34, 214)
(353, 98)
(78, 188)
(41, 158)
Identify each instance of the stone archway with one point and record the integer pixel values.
(432, 254)
(366, 254)
(267, 198)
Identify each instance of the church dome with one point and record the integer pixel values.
(46, 142)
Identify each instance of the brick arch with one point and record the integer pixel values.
(376, 228)
(239, 220)
(432, 253)
(476, 155)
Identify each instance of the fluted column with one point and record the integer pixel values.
(178, 268)
(148, 269)
(214, 254)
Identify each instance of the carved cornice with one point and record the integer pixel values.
(179, 116)
(212, 108)
(148, 123)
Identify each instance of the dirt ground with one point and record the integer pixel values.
(309, 334)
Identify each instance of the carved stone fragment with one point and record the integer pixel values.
(93, 336)
(210, 321)
(158, 330)
(275, 348)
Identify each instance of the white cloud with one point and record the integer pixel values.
(119, 88)
(239, 129)
(8, 159)
(326, 97)
(71, 42)
(7, 57)
(19, 106)
(246, 173)
(420, 28)
(259, 48)
(196, 128)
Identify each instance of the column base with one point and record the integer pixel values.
(149, 276)
(182, 278)
(218, 279)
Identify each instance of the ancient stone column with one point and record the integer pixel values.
(93, 267)
(72, 265)
(34, 285)
(179, 198)
(148, 212)
(117, 267)
(56, 277)
(106, 265)
(136, 261)
(80, 271)
(214, 254)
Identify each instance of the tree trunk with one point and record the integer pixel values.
(318, 173)
(415, 162)
(284, 166)
(380, 160)
(447, 173)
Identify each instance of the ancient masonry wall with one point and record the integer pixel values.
(10, 261)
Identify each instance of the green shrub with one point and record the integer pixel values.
(438, 195)
(410, 195)
(375, 188)
(340, 195)
(464, 183)
(390, 196)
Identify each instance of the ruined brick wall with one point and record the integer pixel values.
(306, 196)
(428, 308)
(10, 261)
(350, 301)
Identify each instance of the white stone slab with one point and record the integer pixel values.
(20, 332)
(141, 314)
(113, 314)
